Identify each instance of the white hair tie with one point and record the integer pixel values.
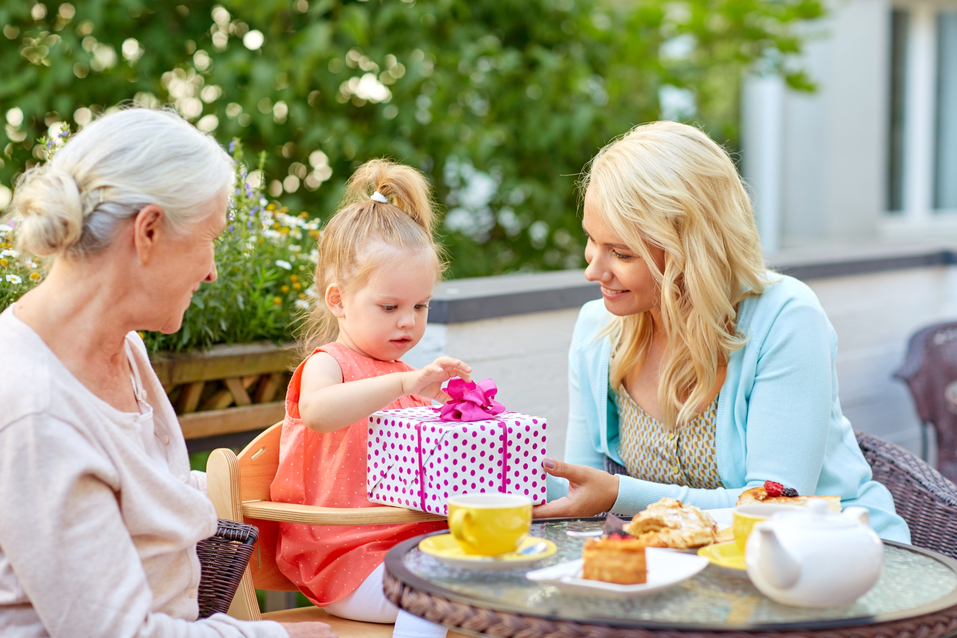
(379, 197)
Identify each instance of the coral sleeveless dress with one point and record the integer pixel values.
(328, 562)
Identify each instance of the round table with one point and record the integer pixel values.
(916, 597)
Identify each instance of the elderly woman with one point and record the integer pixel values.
(100, 512)
(699, 374)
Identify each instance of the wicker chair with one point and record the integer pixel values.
(223, 559)
(922, 495)
(929, 367)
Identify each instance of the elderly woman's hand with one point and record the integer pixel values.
(308, 630)
(590, 491)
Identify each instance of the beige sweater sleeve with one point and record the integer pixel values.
(63, 536)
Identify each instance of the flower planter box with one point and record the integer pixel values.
(226, 390)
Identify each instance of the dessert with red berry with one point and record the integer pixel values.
(774, 492)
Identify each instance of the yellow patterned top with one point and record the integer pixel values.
(652, 452)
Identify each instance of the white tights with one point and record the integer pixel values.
(369, 604)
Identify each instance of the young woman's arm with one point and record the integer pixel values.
(326, 404)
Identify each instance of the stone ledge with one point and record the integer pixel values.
(473, 299)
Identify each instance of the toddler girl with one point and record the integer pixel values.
(377, 267)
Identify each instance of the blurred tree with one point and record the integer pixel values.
(502, 103)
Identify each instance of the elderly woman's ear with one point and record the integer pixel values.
(148, 227)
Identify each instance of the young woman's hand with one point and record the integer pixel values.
(590, 491)
(428, 381)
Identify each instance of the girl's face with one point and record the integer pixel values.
(386, 317)
(627, 284)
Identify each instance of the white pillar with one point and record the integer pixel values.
(763, 153)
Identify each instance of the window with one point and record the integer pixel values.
(922, 131)
(945, 174)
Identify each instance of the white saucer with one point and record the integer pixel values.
(665, 568)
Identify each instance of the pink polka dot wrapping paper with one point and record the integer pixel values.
(417, 461)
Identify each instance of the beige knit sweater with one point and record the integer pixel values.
(99, 512)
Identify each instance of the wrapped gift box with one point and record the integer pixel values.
(418, 461)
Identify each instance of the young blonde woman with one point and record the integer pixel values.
(699, 374)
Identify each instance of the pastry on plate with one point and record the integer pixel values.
(669, 523)
(616, 558)
(772, 492)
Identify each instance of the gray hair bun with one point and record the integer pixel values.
(50, 209)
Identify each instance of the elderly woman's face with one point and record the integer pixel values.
(183, 263)
(627, 285)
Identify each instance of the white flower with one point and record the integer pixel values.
(13, 279)
(32, 264)
(9, 253)
(302, 304)
(271, 234)
(311, 291)
(282, 263)
(294, 248)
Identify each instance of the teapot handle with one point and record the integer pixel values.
(860, 514)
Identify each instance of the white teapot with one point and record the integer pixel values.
(814, 558)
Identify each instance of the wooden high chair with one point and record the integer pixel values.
(239, 488)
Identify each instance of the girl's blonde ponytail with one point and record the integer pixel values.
(404, 187)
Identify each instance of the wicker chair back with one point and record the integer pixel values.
(922, 495)
(929, 367)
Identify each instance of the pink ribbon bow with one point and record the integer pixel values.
(470, 401)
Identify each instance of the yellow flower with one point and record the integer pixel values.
(35, 276)
(304, 215)
(260, 240)
(4, 263)
(284, 209)
(275, 225)
(293, 278)
(284, 231)
(270, 207)
(314, 233)
(302, 295)
(277, 300)
(297, 286)
(141, 334)
(284, 288)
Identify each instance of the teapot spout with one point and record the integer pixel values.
(778, 567)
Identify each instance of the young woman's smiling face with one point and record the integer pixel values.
(627, 283)
(385, 317)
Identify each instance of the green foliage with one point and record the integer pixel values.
(264, 260)
(502, 103)
(264, 263)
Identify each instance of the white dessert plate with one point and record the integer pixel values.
(666, 567)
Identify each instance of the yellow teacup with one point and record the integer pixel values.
(745, 517)
(489, 524)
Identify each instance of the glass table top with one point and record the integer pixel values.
(914, 582)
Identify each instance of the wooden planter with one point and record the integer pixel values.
(228, 389)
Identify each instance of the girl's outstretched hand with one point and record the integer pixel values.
(590, 491)
(428, 381)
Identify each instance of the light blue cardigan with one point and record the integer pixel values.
(779, 417)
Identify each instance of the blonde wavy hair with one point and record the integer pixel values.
(350, 245)
(668, 185)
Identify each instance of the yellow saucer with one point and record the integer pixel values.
(446, 549)
(724, 555)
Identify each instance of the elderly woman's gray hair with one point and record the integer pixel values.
(75, 203)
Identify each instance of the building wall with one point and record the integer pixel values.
(829, 180)
(873, 315)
